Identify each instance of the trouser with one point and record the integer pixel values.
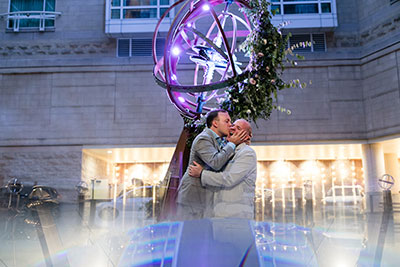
(185, 212)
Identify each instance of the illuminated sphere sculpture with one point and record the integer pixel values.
(201, 55)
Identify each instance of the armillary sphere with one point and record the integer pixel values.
(386, 182)
(201, 55)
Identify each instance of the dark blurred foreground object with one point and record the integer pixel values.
(28, 196)
(386, 182)
(36, 202)
(42, 195)
(82, 188)
(14, 187)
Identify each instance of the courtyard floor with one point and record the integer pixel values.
(315, 235)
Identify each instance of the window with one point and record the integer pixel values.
(138, 9)
(31, 15)
(317, 42)
(138, 47)
(288, 7)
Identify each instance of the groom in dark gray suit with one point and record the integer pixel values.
(209, 150)
(236, 182)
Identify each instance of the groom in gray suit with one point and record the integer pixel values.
(235, 182)
(210, 152)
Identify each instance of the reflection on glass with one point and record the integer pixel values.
(17, 5)
(29, 6)
(283, 244)
(154, 245)
(140, 13)
(163, 10)
(140, 2)
(115, 2)
(276, 8)
(50, 5)
(115, 13)
(49, 23)
(325, 7)
(301, 9)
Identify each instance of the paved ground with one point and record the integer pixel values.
(310, 235)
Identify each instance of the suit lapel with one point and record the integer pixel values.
(211, 135)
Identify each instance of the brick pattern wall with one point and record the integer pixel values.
(110, 107)
(59, 167)
(381, 87)
(329, 108)
(96, 168)
(85, 108)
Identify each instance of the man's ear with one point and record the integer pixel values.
(248, 139)
(215, 123)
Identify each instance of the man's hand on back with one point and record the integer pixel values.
(195, 170)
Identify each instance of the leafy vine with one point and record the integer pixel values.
(253, 95)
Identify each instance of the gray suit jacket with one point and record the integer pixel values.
(236, 183)
(191, 194)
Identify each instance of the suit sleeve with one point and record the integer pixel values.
(233, 175)
(207, 151)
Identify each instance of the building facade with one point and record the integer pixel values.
(78, 100)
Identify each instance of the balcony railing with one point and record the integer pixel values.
(303, 14)
(30, 20)
(122, 17)
(128, 17)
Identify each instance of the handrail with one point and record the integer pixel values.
(29, 12)
(16, 16)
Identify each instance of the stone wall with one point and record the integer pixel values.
(379, 24)
(85, 107)
(127, 107)
(55, 166)
(40, 49)
(365, 27)
(94, 167)
(97, 168)
(381, 90)
(330, 108)
(61, 91)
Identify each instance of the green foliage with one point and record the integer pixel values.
(194, 128)
(253, 94)
(255, 97)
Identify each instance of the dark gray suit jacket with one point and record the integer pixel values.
(193, 199)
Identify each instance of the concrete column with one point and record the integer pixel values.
(374, 167)
(392, 167)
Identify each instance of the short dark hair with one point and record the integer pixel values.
(212, 115)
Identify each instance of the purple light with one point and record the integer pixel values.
(189, 25)
(176, 51)
(206, 7)
(173, 77)
(181, 99)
